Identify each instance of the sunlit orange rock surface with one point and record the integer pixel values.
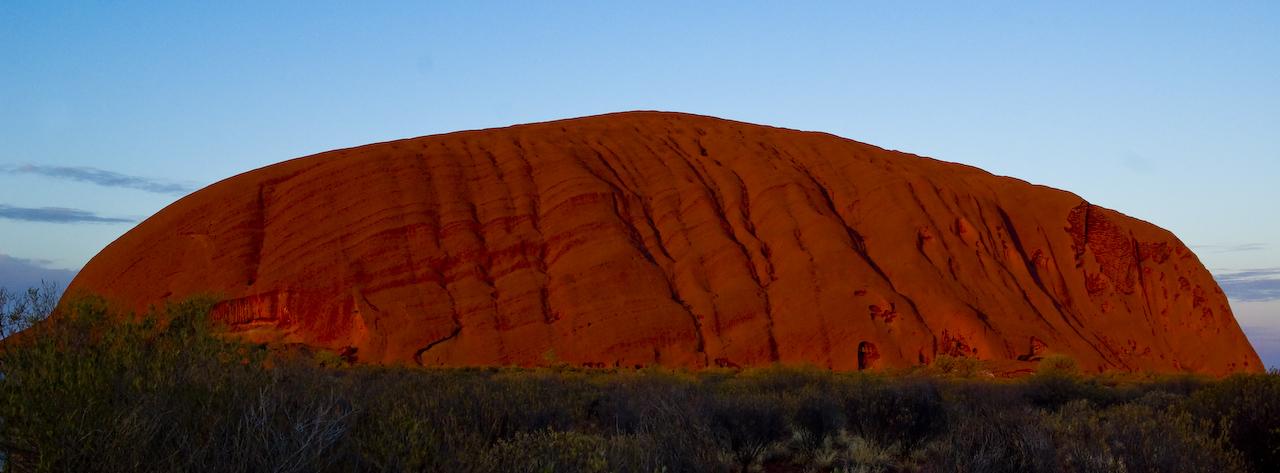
(662, 238)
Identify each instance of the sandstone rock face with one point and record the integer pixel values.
(659, 238)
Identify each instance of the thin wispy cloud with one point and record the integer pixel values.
(55, 215)
(1252, 285)
(1230, 248)
(102, 177)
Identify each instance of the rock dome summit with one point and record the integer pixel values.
(643, 238)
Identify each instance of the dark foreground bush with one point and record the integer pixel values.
(94, 391)
(1245, 409)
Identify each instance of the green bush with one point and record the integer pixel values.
(1246, 409)
(1052, 389)
(1058, 365)
(93, 391)
(956, 366)
(1137, 437)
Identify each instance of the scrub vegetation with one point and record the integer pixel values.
(92, 390)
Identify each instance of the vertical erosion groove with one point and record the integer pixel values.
(710, 190)
(859, 244)
(535, 221)
(1068, 314)
(410, 257)
(938, 233)
(475, 188)
(437, 266)
(1142, 283)
(683, 231)
(762, 281)
(1032, 270)
(772, 152)
(480, 225)
(257, 234)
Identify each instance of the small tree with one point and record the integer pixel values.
(20, 310)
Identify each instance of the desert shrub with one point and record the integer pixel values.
(404, 423)
(863, 455)
(536, 452)
(1078, 433)
(1246, 409)
(1180, 385)
(637, 454)
(542, 400)
(1137, 437)
(747, 424)
(669, 411)
(95, 390)
(906, 411)
(291, 421)
(989, 426)
(819, 416)
(990, 438)
(1052, 388)
(430, 420)
(780, 379)
(956, 366)
(1058, 365)
(843, 452)
(1158, 400)
(1150, 440)
(1052, 392)
(630, 402)
(570, 452)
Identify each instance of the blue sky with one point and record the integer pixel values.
(1166, 111)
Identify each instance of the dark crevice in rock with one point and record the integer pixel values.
(860, 246)
(257, 234)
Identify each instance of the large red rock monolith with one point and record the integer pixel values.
(661, 238)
